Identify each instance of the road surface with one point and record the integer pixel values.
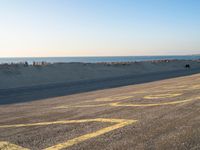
(157, 115)
(25, 94)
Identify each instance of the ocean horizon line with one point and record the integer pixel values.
(97, 59)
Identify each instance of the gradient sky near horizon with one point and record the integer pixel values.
(39, 28)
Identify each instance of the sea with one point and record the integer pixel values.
(30, 60)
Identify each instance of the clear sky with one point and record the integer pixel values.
(99, 27)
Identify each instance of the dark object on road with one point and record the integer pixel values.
(25, 64)
(187, 66)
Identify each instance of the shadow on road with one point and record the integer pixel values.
(26, 94)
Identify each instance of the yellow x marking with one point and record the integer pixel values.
(119, 123)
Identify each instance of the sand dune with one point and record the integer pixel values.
(21, 76)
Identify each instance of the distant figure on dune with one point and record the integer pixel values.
(187, 66)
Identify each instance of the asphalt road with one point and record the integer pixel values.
(158, 115)
(25, 94)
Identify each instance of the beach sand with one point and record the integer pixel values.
(14, 76)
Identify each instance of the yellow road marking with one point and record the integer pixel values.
(119, 123)
(175, 87)
(90, 135)
(195, 87)
(9, 146)
(137, 92)
(119, 104)
(182, 87)
(158, 96)
(65, 122)
(153, 104)
(80, 106)
(107, 99)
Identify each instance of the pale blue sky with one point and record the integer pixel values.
(99, 27)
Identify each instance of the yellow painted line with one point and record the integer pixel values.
(119, 104)
(115, 98)
(90, 135)
(64, 122)
(107, 99)
(80, 106)
(9, 146)
(150, 105)
(138, 92)
(180, 88)
(119, 123)
(175, 87)
(195, 87)
(158, 96)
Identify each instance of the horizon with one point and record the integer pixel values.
(58, 28)
(103, 56)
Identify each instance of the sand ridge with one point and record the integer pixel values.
(21, 76)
